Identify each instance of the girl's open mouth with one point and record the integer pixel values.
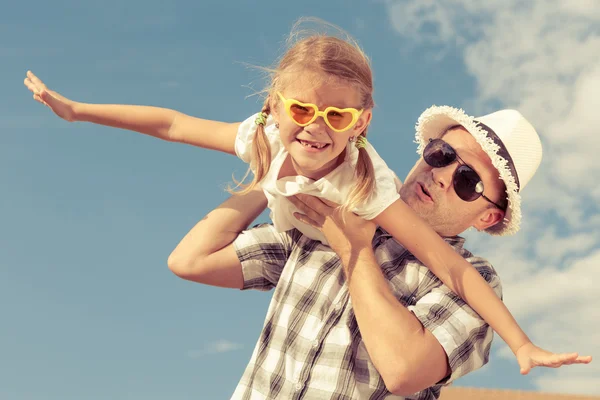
(312, 145)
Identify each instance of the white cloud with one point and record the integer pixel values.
(543, 58)
(554, 301)
(556, 291)
(220, 346)
(563, 246)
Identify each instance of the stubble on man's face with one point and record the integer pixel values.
(430, 192)
(447, 218)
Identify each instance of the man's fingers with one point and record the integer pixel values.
(329, 203)
(315, 203)
(306, 220)
(297, 201)
(306, 209)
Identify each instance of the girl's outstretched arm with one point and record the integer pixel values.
(206, 253)
(159, 122)
(463, 279)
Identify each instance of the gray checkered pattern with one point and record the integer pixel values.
(310, 346)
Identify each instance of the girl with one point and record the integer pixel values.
(310, 137)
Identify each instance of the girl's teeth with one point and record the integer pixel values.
(316, 146)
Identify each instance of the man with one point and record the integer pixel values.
(368, 320)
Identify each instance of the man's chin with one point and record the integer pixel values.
(426, 211)
(414, 202)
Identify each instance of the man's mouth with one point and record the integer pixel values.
(313, 145)
(423, 193)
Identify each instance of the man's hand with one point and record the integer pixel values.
(346, 232)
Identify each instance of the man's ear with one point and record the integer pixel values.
(489, 217)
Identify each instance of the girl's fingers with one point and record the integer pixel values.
(36, 81)
(569, 356)
(37, 98)
(582, 360)
(30, 85)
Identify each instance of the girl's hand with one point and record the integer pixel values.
(530, 356)
(60, 105)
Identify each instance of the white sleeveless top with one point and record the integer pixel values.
(334, 186)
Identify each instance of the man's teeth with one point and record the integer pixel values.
(313, 145)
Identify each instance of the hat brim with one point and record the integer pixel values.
(436, 120)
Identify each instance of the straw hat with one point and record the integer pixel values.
(509, 140)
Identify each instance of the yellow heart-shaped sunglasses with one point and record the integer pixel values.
(303, 114)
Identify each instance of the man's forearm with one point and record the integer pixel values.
(407, 356)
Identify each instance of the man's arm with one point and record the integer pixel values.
(206, 254)
(408, 356)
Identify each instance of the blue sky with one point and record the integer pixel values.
(90, 214)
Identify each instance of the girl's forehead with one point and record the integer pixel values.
(335, 92)
(309, 79)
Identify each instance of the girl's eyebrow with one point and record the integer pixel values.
(341, 104)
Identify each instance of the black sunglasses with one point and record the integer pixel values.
(467, 183)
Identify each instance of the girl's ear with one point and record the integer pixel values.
(273, 106)
(363, 121)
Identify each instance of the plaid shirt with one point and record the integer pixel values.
(311, 347)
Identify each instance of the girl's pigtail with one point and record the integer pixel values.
(364, 175)
(261, 154)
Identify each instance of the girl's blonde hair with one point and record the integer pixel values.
(328, 58)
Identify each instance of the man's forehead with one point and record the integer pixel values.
(467, 147)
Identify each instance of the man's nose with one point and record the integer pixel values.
(443, 176)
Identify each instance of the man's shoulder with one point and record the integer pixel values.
(265, 235)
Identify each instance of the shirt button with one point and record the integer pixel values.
(315, 344)
(299, 386)
(338, 306)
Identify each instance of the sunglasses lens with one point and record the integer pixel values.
(467, 183)
(301, 114)
(340, 120)
(439, 154)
